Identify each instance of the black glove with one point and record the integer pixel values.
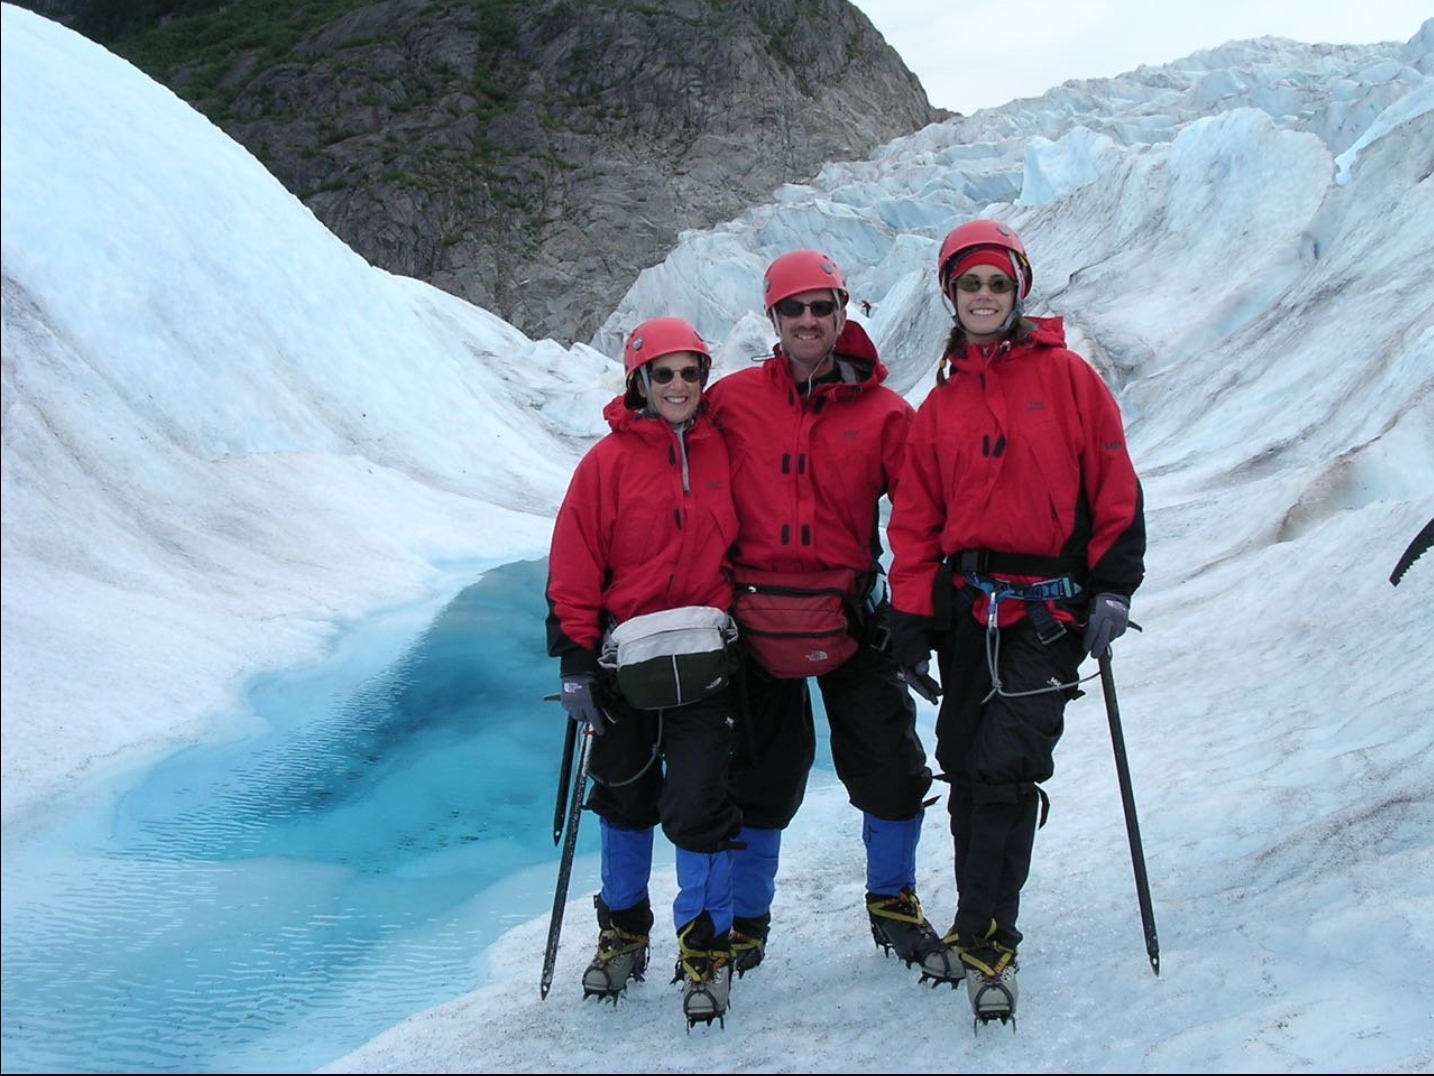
(912, 637)
(1105, 622)
(918, 678)
(577, 700)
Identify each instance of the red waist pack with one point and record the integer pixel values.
(796, 624)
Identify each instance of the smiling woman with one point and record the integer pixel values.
(660, 734)
(1020, 518)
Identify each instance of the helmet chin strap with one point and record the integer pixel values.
(812, 368)
(649, 406)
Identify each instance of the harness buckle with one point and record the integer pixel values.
(1048, 628)
(974, 560)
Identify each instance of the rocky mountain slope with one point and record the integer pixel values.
(533, 157)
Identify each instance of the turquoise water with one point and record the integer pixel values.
(270, 902)
(342, 860)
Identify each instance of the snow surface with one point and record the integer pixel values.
(224, 434)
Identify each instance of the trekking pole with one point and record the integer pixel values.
(565, 777)
(565, 866)
(1132, 824)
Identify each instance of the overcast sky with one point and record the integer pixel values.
(971, 56)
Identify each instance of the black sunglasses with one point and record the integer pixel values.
(999, 285)
(691, 374)
(791, 308)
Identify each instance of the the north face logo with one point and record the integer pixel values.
(817, 656)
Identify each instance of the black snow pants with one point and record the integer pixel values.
(875, 749)
(682, 756)
(995, 753)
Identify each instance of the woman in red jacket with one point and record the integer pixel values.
(1019, 518)
(644, 529)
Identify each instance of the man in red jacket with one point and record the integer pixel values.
(815, 441)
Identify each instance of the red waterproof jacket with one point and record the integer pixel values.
(645, 526)
(807, 472)
(1022, 452)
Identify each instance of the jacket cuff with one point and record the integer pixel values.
(578, 660)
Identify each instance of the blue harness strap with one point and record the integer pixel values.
(1045, 591)
(1035, 595)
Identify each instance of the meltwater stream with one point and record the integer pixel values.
(269, 903)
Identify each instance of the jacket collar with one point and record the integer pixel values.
(1044, 332)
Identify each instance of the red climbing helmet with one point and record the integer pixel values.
(662, 336)
(799, 271)
(974, 234)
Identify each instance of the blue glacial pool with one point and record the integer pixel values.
(270, 902)
(366, 828)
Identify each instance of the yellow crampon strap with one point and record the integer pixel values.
(965, 952)
(744, 943)
(614, 943)
(886, 909)
(991, 971)
(715, 958)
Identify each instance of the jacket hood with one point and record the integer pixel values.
(617, 414)
(1048, 332)
(854, 353)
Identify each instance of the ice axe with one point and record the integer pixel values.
(1132, 824)
(574, 804)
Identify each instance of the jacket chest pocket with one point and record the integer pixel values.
(845, 472)
(967, 460)
(1059, 469)
(722, 518)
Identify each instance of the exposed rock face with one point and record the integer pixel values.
(534, 157)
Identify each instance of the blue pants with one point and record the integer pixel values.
(704, 880)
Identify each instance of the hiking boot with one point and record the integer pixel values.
(749, 942)
(621, 953)
(704, 967)
(943, 964)
(898, 926)
(990, 976)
